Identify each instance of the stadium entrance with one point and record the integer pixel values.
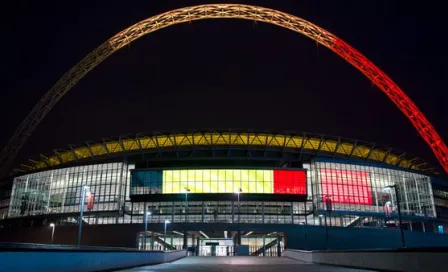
(213, 243)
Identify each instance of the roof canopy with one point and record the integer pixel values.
(318, 145)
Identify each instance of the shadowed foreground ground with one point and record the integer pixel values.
(235, 264)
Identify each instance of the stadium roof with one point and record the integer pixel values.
(304, 143)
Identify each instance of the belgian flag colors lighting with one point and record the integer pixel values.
(258, 181)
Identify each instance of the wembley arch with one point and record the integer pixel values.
(223, 11)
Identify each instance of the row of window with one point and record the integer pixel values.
(441, 202)
(440, 193)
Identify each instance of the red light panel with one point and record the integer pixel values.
(346, 186)
(289, 182)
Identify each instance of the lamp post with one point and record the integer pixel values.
(164, 237)
(238, 194)
(186, 203)
(84, 190)
(239, 206)
(146, 229)
(394, 186)
(52, 232)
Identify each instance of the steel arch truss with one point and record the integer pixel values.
(214, 11)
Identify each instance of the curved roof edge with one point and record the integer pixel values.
(322, 145)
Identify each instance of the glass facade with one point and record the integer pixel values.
(358, 195)
(59, 191)
(441, 201)
(262, 212)
(5, 197)
(361, 188)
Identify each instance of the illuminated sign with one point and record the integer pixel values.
(90, 201)
(199, 181)
(346, 186)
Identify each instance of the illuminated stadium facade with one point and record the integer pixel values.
(232, 179)
(213, 190)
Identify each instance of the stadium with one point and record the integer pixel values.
(222, 192)
(213, 190)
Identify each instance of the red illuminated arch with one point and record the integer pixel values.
(212, 11)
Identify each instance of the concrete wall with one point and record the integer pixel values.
(306, 256)
(120, 235)
(28, 261)
(378, 260)
(313, 238)
(297, 236)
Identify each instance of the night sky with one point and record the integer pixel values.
(221, 74)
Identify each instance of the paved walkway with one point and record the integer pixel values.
(238, 263)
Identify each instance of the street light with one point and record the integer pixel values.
(52, 232)
(85, 189)
(186, 190)
(239, 206)
(164, 237)
(146, 228)
(238, 194)
(394, 186)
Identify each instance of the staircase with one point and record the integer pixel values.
(163, 243)
(259, 251)
(353, 222)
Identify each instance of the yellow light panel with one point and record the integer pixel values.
(218, 181)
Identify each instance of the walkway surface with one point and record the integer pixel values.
(239, 263)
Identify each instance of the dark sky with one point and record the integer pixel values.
(223, 73)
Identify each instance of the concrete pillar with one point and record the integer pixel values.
(292, 212)
(238, 241)
(152, 240)
(285, 241)
(172, 212)
(262, 212)
(185, 244)
(203, 212)
(279, 248)
(233, 212)
(198, 244)
(264, 245)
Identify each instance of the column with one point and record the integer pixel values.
(264, 245)
(153, 236)
(203, 212)
(145, 224)
(292, 213)
(132, 211)
(262, 212)
(198, 244)
(120, 188)
(172, 212)
(405, 192)
(233, 211)
(279, 248)
(185, 244)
